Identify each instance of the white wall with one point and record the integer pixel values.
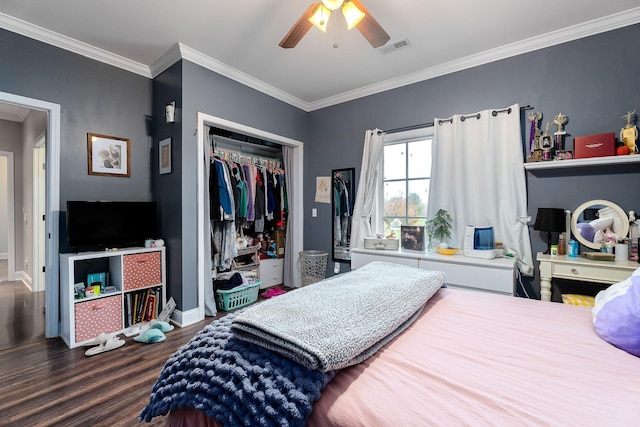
(4, 218)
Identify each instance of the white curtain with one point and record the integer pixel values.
(209, 297)
(291, 266)
(367, 209)
(478, 177)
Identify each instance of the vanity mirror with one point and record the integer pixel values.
(596, 221)
(343, 195)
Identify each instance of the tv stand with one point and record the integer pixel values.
(134, 276)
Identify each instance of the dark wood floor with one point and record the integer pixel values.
(47, 384)
(22, 317)
(44, 383)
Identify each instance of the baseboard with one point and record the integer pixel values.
(21, 276)
(185, 318)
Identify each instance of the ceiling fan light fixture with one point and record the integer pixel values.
(320, 17)
(332, 4)
(352, 14)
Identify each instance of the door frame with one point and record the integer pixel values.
(11, 232)
(52, 226)
(39, 206)
(295, 178)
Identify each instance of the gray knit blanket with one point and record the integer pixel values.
(341, 321)
(235, 382)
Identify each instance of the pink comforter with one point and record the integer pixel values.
(485, 360)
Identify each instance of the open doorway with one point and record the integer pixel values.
(50, 197)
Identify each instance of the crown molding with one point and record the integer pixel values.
(597, 26)
(181, 51)
(67, 43)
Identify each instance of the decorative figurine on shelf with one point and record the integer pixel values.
(547, 149)
(535, 153)
(559, 121)
(629, 133)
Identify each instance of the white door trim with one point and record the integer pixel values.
(11, 232)
(52, 227)
(39, 209)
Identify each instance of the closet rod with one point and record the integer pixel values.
(430, 124)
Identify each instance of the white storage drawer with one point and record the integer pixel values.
(271, 272)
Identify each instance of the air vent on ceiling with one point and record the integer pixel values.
(395, 46)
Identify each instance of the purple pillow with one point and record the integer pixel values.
(586, 230)
(616, 314)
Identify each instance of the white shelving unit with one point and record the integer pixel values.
(591, 162)
(130, 271)
(271, 272)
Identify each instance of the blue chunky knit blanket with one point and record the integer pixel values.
(235, 382)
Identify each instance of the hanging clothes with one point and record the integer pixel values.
(342, 214)
(260, 204)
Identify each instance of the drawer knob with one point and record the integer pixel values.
(98, 306)
(574, 271)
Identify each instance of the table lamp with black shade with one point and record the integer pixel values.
(551, 220)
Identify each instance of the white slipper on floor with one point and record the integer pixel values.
(100, 339)
(110, 344)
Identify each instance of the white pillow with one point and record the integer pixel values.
(602, 223)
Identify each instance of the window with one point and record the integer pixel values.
(406, 178)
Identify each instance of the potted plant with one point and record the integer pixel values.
(439, 227)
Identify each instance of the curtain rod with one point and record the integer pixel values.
(430, 124)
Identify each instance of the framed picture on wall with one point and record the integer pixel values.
(164, 156)
(108, 155)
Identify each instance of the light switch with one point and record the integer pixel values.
(314, 212)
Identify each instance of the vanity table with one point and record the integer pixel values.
(578, 268)
(589, 219)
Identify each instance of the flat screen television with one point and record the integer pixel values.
(93, 225)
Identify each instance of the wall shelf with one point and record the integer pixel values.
(591, 162)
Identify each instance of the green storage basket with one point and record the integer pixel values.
(238, 297)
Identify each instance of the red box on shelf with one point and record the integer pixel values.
(599, 145)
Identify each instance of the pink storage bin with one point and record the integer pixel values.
(142, 270)
(96, 316)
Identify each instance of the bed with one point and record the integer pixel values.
(467, 358)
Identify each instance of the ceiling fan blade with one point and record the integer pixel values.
(370, 28)
(299, 29)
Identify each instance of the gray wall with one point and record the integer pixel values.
(593, 80)
(94, 97)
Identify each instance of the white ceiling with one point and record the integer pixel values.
(240, 38)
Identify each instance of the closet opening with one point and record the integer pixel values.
(245, 145)
(247, 205)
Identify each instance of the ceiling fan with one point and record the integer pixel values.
(318, 15)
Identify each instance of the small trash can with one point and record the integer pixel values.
(313, 266)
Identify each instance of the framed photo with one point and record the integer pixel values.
(164, 156)
(412, 237)
(108, 155)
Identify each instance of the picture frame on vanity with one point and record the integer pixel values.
(108, 155)
(164, 156)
